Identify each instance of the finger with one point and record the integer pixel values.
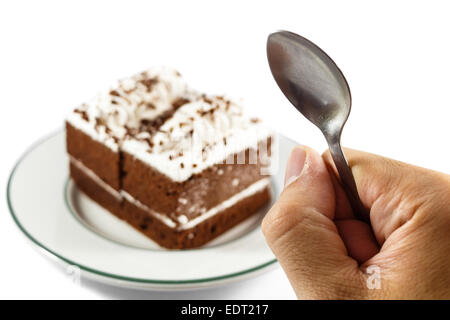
(358, 238)
(300, 231)
(357, 235)
(391, 189)
(343, 209)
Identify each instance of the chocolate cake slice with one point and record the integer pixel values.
(179, 166)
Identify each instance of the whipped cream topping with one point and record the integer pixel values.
(198, 135)
(129, 104)
(158, 119)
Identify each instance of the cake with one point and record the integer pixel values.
(179, 166)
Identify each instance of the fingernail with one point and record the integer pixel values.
(294, 165)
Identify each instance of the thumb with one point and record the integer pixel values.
(300, 230)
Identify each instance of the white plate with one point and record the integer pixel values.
(57, 217)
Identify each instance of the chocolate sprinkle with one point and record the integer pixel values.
(83, 114)
(179, 102)
(150, 105)
(99, 122)
(207, 100)
(150, 142)
(149, 83)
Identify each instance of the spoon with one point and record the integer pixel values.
(316, 87)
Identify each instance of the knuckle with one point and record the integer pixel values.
(276, 217)
(265, 226)
(287, 216)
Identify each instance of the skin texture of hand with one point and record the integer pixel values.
(328, 254)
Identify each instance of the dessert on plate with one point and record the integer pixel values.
(179, 166)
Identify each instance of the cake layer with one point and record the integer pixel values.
(96, 190)
(95, 155)
(178, 223)
(187, 199)
(178, 201)
(203, 232)
(167, 234)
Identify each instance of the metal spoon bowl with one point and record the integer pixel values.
(316, 87)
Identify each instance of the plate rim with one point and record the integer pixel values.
(100, 273)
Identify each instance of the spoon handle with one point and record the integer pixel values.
(347, 180)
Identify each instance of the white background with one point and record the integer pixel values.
(56, 54)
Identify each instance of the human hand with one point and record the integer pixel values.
(326, 253)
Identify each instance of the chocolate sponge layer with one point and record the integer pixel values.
(159, 232)
(190, 198)
(94, 155)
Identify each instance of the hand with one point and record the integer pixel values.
(328, 254)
